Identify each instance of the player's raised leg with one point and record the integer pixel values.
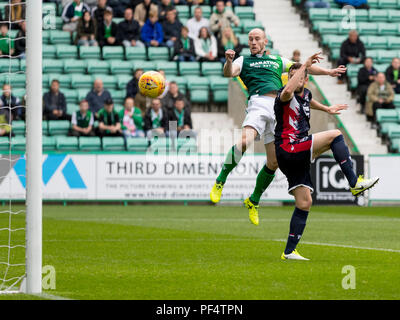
(231, 161)
(333, 139)
(303, 202)
(264, 179)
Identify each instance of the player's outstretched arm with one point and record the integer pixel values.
(334, 109)
(230, 70)
(294, 81)
(318, 71)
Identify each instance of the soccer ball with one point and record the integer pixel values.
(151, 84)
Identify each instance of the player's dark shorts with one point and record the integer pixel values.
(294, 161)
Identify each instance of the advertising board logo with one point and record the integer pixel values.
(50, 166)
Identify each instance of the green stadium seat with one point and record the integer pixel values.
(376, 15)
(19, 92)
(67, 143)
(189, 68)
(46, 36)
(388, 4)
(66, 51)
(170, 67)
(137, 144)
(160, 144)
(45, 81)
(59, 23)
(394, 16)
(243, 39)
(89, 143)
(111, 53)
(135, 53)
(206, 11)
(244, 12)
(118, 108)
(186, 146)
(75, 66)
(245, 52)
(380, 67)
(81, 94)
(327, 27)
(394, 132)
(386, 56)
(16, 80)
(375, 42)
(197, 83)
(368, 28)
(219, 88)
(81, 81)
(393, 42)
(335, 14)
(396, 100)
(395, 145)
(18, 143)
(386, 115)
(60, 37)
(145, 65)
(199, 96)
(388, 29)
(18, 128)
(118, 96)
(384, 128)
(72, 108)
(352, 69)
(120, 67)
(64, 79)
(353, 83)
(71, 95)
(49, 51)
(333, 41)
(49, 143)
(211, 68)
(248, 25)
(9, 65)
(49, 8)
(4, 144)
(86, 52)
(59, 127)
(45, 128)
(110, 82)
(158, 53)
(98, 67)
(362, 15)
(183, 11)
(49, 66)
(122, 80)
(113, 144)
(374, 54)
(373, 4)
(181, 82)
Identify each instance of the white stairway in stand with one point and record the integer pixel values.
(288, 32)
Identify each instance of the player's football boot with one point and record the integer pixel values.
(253, 211)
(216, 192)
(295, 255)
(362, 185)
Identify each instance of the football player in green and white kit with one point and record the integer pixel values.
(261, 73)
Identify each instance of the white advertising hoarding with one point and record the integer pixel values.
(387, 168)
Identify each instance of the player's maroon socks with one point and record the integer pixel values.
(297, 225)
(342, 156)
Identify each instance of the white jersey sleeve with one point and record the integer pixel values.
(286, 64)
(239, 62)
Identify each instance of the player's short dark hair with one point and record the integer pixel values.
(297, 66)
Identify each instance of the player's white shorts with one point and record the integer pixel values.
(261, 116)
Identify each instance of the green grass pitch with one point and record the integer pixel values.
(205, 252)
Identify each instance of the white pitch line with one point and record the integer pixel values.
(50, 296)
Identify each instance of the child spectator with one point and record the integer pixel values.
(6, 43)
(131, 119)
(107, 32)
(109, 122)
(71, 14)
(86, 31)
(184, 47)
(82, 121)
(98, 11)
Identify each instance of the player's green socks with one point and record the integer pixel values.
(232, 159)
(264, 179)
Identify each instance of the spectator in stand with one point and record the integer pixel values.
(352, 51)
(244, 3)
(182, 117)
(206, 46)
(142, 11)
(222, 17)
(380, 95)
(393, 74)
(227, 41)
(5, 121)
(152, 33)
(357, 4)
(131, 120)
(194, 2)
(134, 4)
(71, 14)
(107, 32)
(20, 43)
(156, 120)
(171, 28)
(366, 75)
(128, 32)
(86, 31)
(132, 91)
(316, 4)
(97, 97)
(173, 94)
(296, 56)
(12, 103)
(119, 6)
(98, 11)
(109, 122)
(163, 8)
(6, 43)
(227, 3)
(184, 47)
(82, 121)
(16, 14)
(196, 23)
(54, 103)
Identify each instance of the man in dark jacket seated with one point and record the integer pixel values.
(172, 95)
(172, 28)
(351, 51)
(366, 75)
(55, 104)
(128, 32)
(393, 74)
